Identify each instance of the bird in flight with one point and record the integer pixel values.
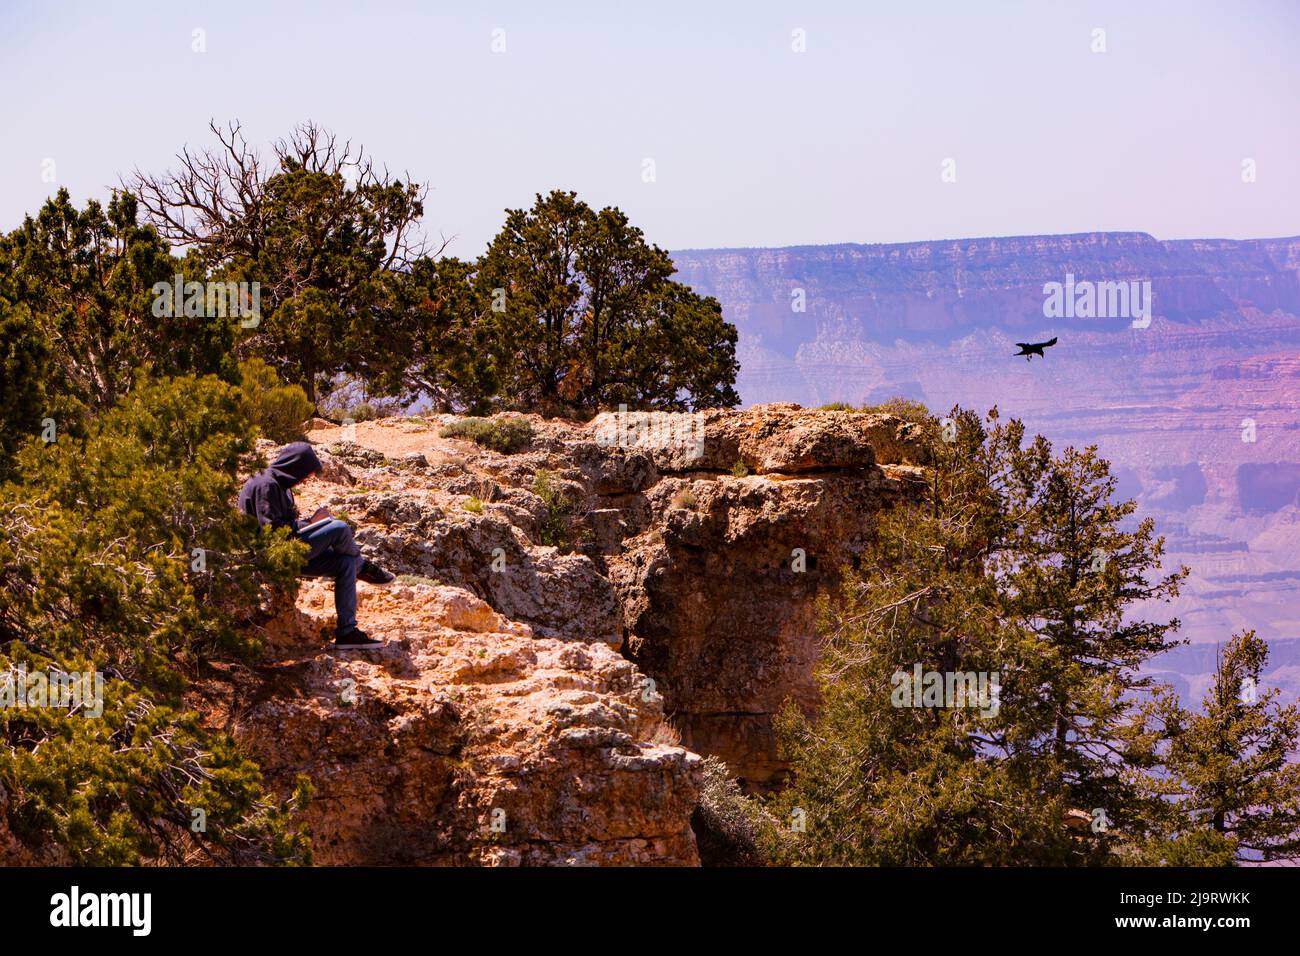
(1030, 349)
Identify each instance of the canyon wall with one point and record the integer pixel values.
(1199, 411)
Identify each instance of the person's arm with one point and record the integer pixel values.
(262, 507)
(275, 508)
(291, 506)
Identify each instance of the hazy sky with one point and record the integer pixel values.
(753, 144)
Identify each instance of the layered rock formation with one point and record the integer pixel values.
(941, 291)
(547, 703)
(718, 582)
(468, 740)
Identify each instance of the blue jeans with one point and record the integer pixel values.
(335, 555)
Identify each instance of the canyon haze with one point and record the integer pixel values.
(1196, 407)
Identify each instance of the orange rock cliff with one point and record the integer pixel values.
(549, 703)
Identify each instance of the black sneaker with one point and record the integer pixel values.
(355, 640)
(372, 573)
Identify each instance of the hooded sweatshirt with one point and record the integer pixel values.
(268, 497)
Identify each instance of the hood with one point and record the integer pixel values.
(294, 463)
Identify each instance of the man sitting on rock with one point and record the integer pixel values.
(268, 497)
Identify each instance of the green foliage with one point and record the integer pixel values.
(312, 335)
(739, 469)
(473, 505)
(905, 408)
(362, 411)
(322, 231)
(368, 411)
(278, 410)
(589, 318)
(98, 544)
(87, 277)
(1230, 768)
(730, 828)
(103, 531)
(553, 528)
(506, 434)
(1018, 564)
(569, 311)
(444, 351)
(24, 369)
(414, 579)
(122, 788)
(1203, 848)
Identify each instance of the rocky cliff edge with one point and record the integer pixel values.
(575, 623)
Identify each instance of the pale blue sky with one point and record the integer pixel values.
(753, 144)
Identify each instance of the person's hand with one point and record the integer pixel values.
(321, 512)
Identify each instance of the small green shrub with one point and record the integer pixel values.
(683, 499)
(505, 435)
(729, 826)
(474, 505)
(739, 469)
(414, 579)
(553, 529)
(278, 410)
(366, 411)
(904, 408)
(350, 404)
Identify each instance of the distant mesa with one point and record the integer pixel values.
(939, 291)
(1198, 412)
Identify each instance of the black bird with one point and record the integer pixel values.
(1030, 349)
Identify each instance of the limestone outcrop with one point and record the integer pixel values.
(573, 626)
(468, 740)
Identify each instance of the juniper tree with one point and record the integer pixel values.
(103, 532)
(120, 552)
(127, 786)
(88, 276)
(591, 317)
(322, 229)
(992, 573)
(24, 371)
(443, 348)
(569, 310)
(1230, 769)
